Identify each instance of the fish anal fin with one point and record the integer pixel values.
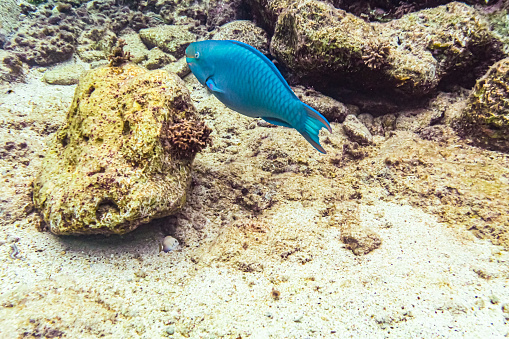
(276, 121)
(313, 142)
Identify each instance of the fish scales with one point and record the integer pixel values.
(246, 81)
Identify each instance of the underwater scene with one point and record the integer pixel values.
(254, 169)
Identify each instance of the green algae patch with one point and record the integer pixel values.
(486, 116)
(123, 156)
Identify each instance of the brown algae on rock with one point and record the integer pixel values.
(111, 167)
(486, 116)
(410, 55)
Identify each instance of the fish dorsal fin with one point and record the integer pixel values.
(267, 61)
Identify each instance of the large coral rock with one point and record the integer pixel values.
(486, 116)
(409, 56)
(124, 155)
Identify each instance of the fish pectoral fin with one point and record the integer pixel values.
(276, 121)
(212, 86)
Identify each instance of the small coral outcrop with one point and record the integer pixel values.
(123, 156)
(486, 115)
(118, 56)
(184, 138)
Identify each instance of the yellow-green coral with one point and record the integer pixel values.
(108, 170)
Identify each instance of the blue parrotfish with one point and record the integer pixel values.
(246, 81)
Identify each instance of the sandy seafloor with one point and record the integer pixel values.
(282, 273)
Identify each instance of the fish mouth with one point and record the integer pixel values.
(189, 53)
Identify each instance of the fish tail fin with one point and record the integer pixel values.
(312, 125)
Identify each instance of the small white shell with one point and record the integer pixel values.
(170, 243)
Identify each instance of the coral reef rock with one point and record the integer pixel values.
(156, 58)
(171, 39)
(10, 67)
(245, 31)
(44, 42)
(268, 11)
(52, 33)
(135, 47)
(486, 115)
(179, 67)
(9, 12)
(409, 56)
(176, 12)
(3, 37)
(124, 155)
(220, 12)
(332, 109)
(96, 44)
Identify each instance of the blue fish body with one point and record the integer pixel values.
(246, 81)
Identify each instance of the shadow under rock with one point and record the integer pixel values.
(145, 239)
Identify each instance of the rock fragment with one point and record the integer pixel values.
(64, 75)
(360, 240)
(357, 131)
(11, 68)
(172, 39)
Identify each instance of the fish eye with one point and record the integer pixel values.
(197, 55)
